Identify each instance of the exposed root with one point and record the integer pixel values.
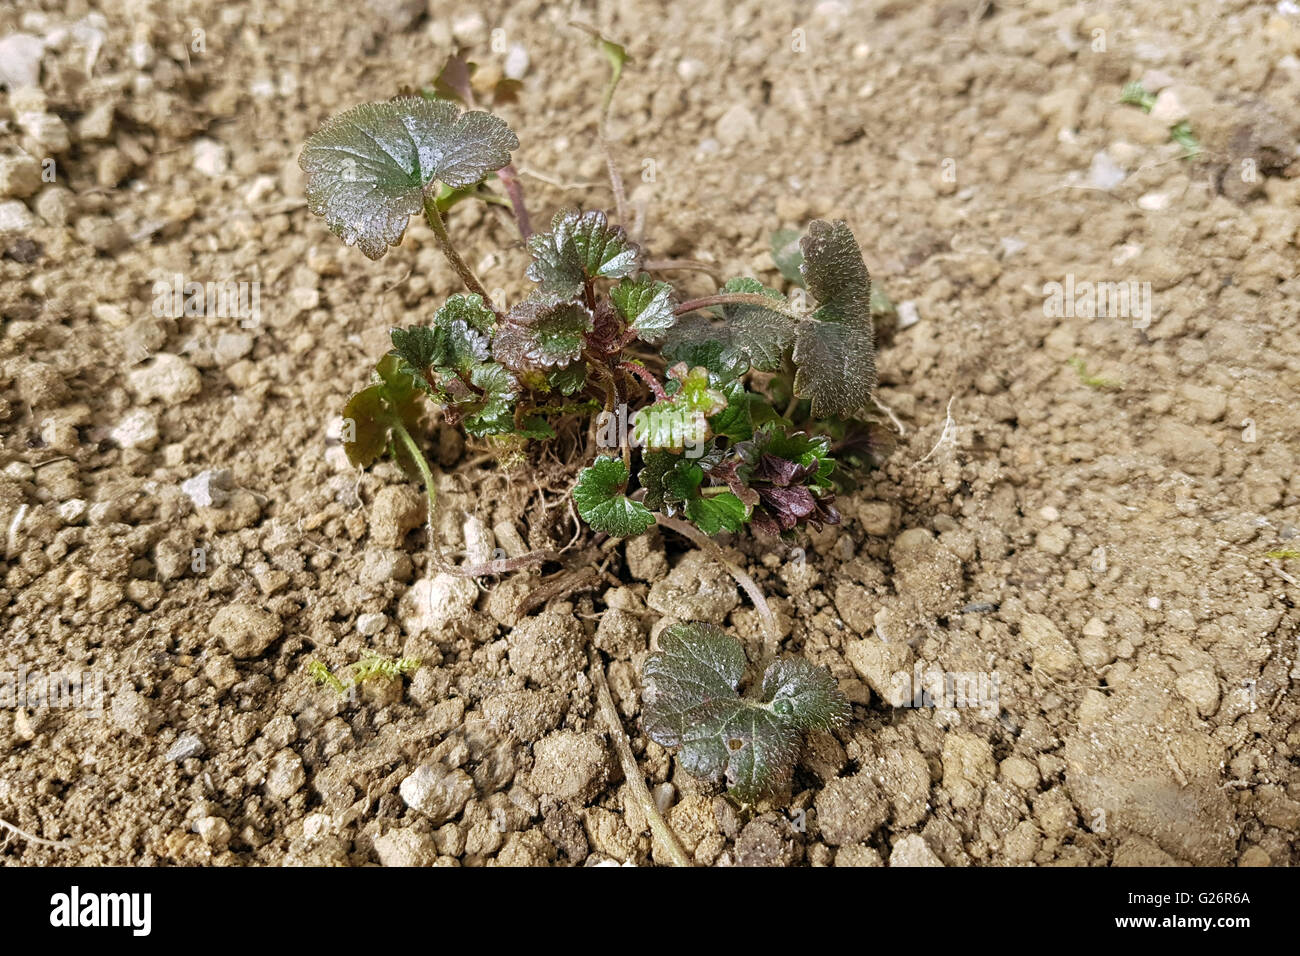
(945, 435)
(631, 772)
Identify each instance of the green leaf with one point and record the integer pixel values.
(697, 340)
(543, 331)
(580, 247)
(787, 255)
(420, 347)
(367, 168)
(493, 412)
(600, 500)
(713, 513)
(693, 705)
(369, 415)
(834, 350)
(764, 335)
(568, 380)
(467, 325)
(655, 467)
(646, 305)
(736, 420)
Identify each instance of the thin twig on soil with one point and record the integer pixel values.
(32, 838)
(631, 772)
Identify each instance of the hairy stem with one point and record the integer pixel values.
(635, 781)
(747, 584)
(646, 376)
(509, 177)
(735, 298)
(466, 274)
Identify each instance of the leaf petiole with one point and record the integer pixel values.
(434, 218)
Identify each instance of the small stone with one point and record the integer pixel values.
(397, 509)
(20, 61)
(1054, 539)
(431, 606)
(911, 850)
(187, 745)
(437, 792)
(851, 809)
(16, 217)
(54, 204)
(908, 314)
(231, 347)
(1053, 653)
(886, 667)
(48, 131)
(406, 847)
(20, 175)
(1105, 173)
(101, 233)
(371, 624)
(378, 567)
(284, 776)
(246, 631)
(1169, 108)
(698, 589)
(210, 157)
(736, 125)
(571, 766)
(131, 712)
(1019, 772)
(209, 488)
(213, 831)
(1200, 688)
(138, 429)
(548, 649)
(516, 65)
(168, 379)
(73, 511)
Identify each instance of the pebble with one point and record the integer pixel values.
(1104, 172)
(138, 429)
(285, 775)
(735, 126)
(213, 831)
(571, 766)
(378, 567)
(371, 624)
(908, 314)
(20, 60)
(73, 511)
(437, 792)
(47, 130)
(1054, 539)
(246, 631)
(397, 509)
(187, 745)
(1053, 653)
(210, 157)
(231, 347)
(434, 604)
(1200, 688)
(876, 662)
(516, 65)
(911, 850)
(1169, 108)
(20, 175)
(208, 489)
(15, 217)
(406, 847)
(168, 379)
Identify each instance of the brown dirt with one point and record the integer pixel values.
(1101, 550)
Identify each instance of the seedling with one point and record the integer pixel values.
(725, 410)
(1093, 381)
(362, 671)
(1134, 94)
(751, 741)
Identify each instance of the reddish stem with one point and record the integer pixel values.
(646, 376)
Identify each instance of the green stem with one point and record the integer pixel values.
(430, 493)
(434, 218)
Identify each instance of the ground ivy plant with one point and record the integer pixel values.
(736, 409)
(750, 741)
